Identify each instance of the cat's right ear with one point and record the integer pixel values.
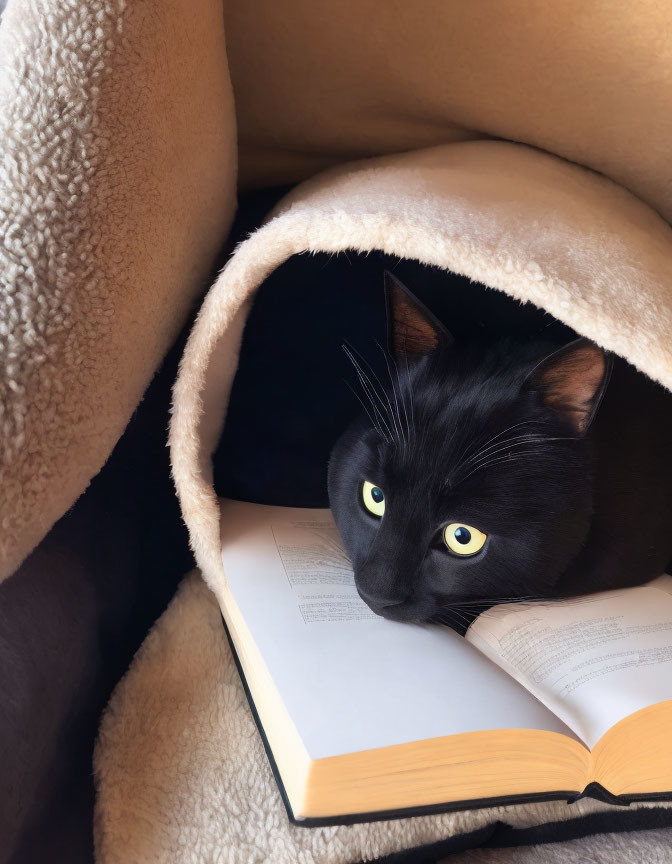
(412, 330)
(572, 381)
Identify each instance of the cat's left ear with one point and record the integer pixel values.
(572, 381)
(412, 330)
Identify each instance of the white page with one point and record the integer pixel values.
(593, 660)
(351, 680)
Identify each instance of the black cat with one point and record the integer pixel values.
(485, 473)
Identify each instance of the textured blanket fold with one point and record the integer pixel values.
(116, 191)
(183, 776)
(513, 218)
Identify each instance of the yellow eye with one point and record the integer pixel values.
(463, 539)
(374, 499)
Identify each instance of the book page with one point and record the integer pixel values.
(318, 571)
(592, 660)
(349, 679)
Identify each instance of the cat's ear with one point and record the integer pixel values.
(412, 330)
(572, 381)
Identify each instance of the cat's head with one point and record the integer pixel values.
(468, 476)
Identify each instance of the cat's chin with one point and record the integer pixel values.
(425, 612)
(410, 611)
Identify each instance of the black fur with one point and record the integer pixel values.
(467, 434)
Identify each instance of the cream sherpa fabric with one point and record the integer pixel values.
(118, 155)
(116, 189)
(183, 777)
(511, 217)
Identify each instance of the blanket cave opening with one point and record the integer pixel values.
(291, 400)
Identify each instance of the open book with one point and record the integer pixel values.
(362, 716)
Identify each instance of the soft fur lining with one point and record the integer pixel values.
(182, 775)
(511, 217)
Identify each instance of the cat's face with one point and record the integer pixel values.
(468, 477)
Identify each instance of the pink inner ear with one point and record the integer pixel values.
(412, 333)
(571, 382)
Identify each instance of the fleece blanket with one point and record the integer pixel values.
(119, 155)
(120, 144)
(116, 190)
(505, 215)
(510, 217)
(183, 776)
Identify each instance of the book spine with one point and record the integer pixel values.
(599, 793)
